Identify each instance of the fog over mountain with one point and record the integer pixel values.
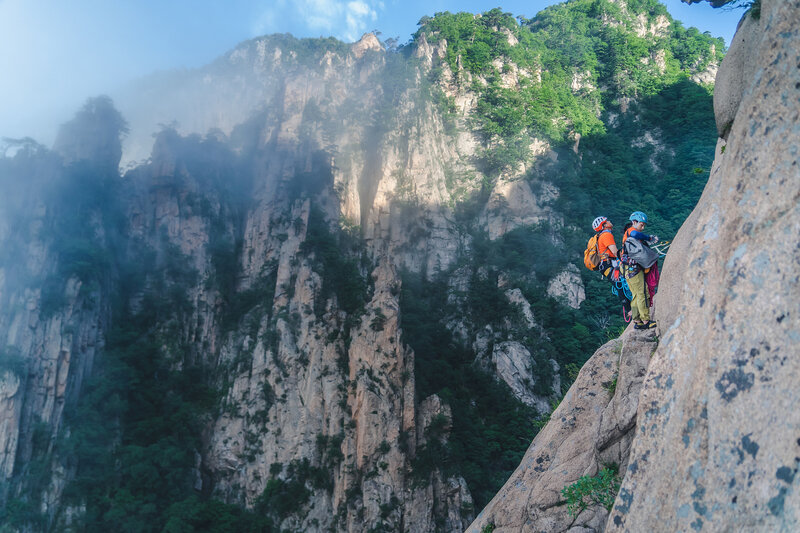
(58, 54)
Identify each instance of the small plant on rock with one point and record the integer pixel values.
(589, 490)
(612, 387)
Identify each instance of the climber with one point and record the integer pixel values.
(609, 263)
(637, 259)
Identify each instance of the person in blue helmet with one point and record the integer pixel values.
(636, 260)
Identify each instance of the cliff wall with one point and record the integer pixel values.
(717, 439)
(715, 432)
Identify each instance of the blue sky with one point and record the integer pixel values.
(56, 53)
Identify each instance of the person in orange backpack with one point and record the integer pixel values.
(609, 254)
(635, 264)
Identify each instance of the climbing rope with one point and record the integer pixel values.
(662, 247)
(621, 285)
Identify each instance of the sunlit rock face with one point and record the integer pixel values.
(568, 287)
(716, 448)
(593, 426)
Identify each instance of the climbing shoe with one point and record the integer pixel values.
(645, 325)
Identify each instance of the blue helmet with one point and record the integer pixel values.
(638, 216)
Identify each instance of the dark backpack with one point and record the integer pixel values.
(640, 253)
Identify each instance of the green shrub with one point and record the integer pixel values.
(590, 490)
(12, 360)
(612, 386)
(341, 274)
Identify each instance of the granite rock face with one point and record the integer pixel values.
(567, 286)
(718, 440)
(593, 426)
(736, 72)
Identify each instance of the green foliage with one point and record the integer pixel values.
(295, 52)
(311, 183)
(472, 41)
(561, 44)
(572, 371)
(18, 513)
(331, 449)
(196, 514)
(589, 490)
(138, 423)
(341, 275)
(287, 496)
(378, 321)
(490, 428)
(12, 360)
(283, 498)
(258, 296)
(612, 385)
(626, 175)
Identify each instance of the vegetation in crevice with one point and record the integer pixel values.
(491, 429)
(136, 430)
(600, 489)
(341, 262)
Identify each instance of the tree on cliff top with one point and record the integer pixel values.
(95, 134)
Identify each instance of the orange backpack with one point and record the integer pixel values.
(591, 257)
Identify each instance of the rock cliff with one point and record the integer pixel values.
(708, 438)
(593, 426)
(717, 441)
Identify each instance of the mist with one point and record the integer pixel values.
(58, 54)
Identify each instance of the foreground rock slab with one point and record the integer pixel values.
(593, 426)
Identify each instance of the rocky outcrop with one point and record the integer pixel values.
(513, 204)
(514, 365)
(593, 426)
(717, 443)
(737, 72)
(567, 286)
(367, 43)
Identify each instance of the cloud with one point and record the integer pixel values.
(358, 17)
(344, 19)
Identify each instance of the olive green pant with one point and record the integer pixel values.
(639, 309)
